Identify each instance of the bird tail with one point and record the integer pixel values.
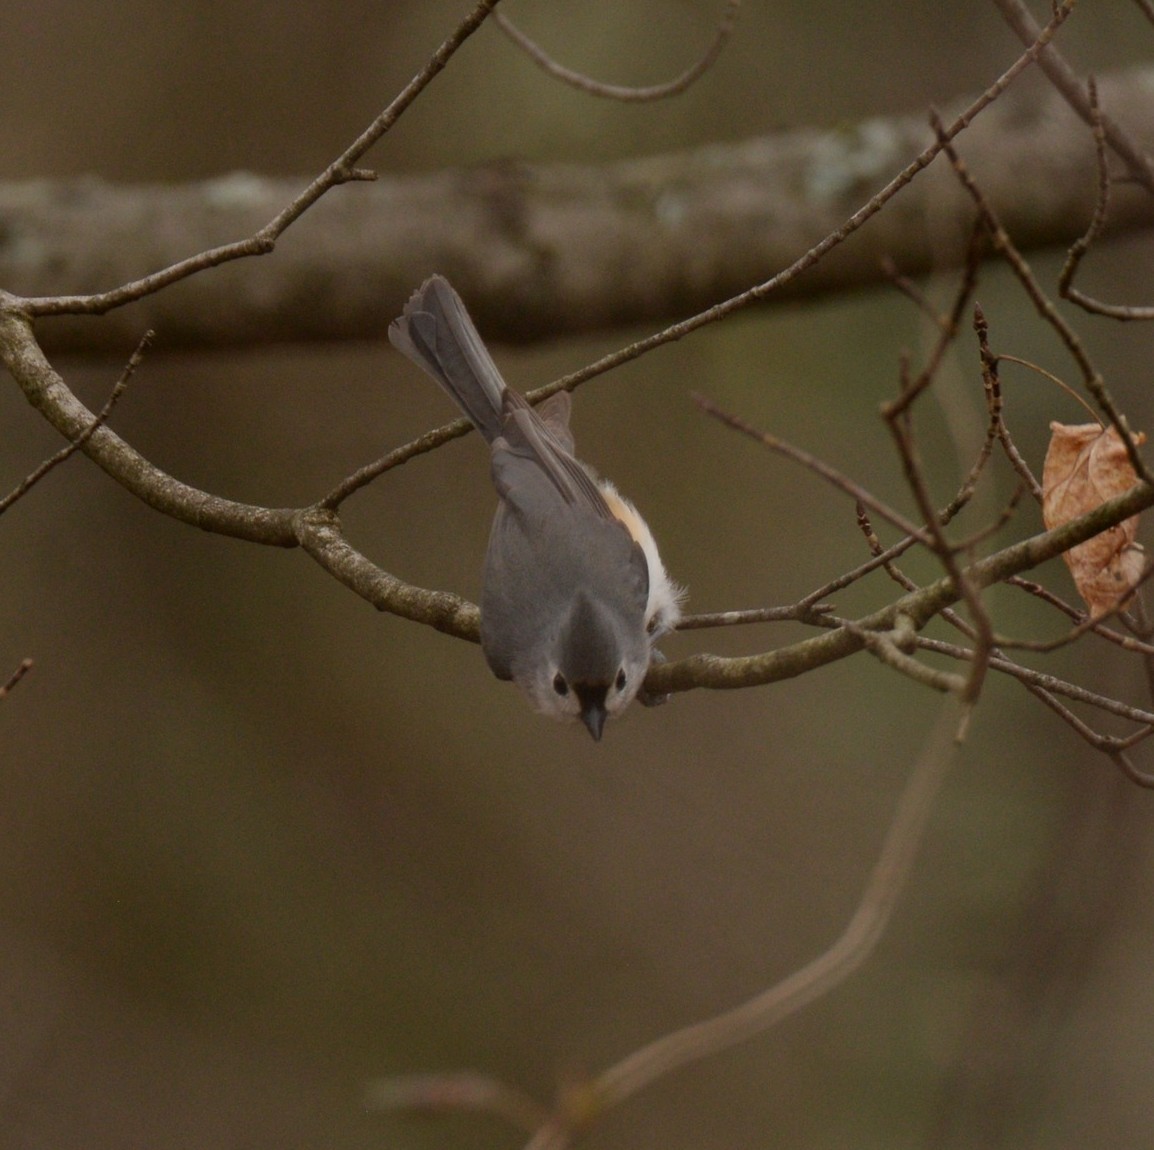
(436, 333)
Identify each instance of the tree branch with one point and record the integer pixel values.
(1131, 149)
(718, 673)
(628, 95)
(545, 250)
(51, 396)
(318, 529)
(263, 239)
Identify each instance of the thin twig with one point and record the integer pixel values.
(899, 419)
(626, 94)
(342, 170)
(948, 331)
(1046, 687)
(434, 439)
(1086, 623)
(1078, 615)
(1142, 778)
(1094, 382)
(1042, 685)
(801, 612)
(15, 677)
(99, 420)
(46, 390)
(1107, 744)
(1142, 626)
(993, 386)
(948, 326)
(818, 466)
(913, 292)
(1062, 76)
(878, 559)
(714, 672)
(1082, 245)
(948, 323)
(888, 646)
(1027, 675)
(886, 883)
(1004, 357)
(898, 415)
(453, 1093)
(1114, 749)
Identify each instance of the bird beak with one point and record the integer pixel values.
(593, 715)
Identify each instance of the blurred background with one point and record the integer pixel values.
(260, 846)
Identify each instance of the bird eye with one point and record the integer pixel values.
(621, 679)
(559, 685)
(651, 626)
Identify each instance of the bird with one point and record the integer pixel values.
(574, 593)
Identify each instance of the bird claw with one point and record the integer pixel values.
(649, 698)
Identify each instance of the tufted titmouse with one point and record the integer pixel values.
(574, 594)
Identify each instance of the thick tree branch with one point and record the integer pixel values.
(319, 532)
(51, 396)
(263, 239)
(315, 529)
(545, 250)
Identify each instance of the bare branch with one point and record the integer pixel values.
(892, 648)
(342, 170)
(817, 253)
(818, 466)
(1056, 686)
(1142, 778)
(1126, 642)
(715, 672)
(1086, 624)
(1046, 308)
(615, 91)
(899, 420)
(316, 529)
(582, 1105)
(1097, 223)
(898, 415)
(1062, 76)
(453, 1093)
(992, 383)
(34, 477)
(319, 533)
(802, 612)
(15, 677)
(885, 885)
(50, 395)
(633, 242)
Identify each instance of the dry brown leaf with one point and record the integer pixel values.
(1085, 466)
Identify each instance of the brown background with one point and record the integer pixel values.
(259, 845)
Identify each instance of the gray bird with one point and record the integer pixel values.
(574, 594)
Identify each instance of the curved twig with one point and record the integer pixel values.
(885, 885)
(619, 92)
(1083, 244)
